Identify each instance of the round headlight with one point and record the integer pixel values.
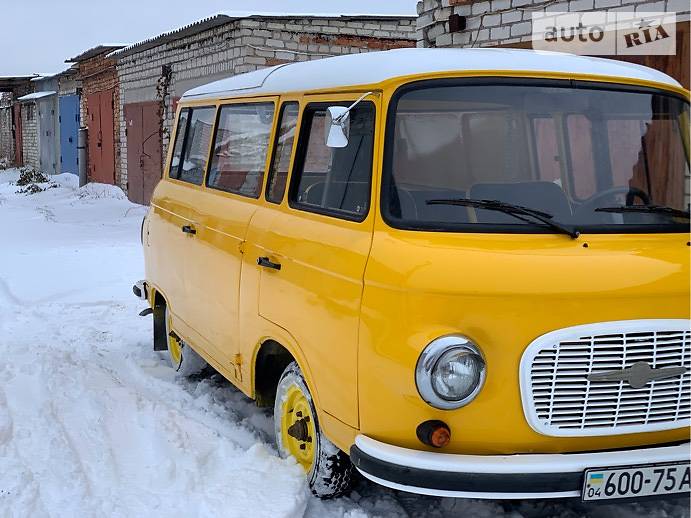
(450, 372)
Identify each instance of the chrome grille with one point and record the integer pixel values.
(558, 398)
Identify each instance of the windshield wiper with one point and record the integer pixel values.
(653, 209)
(516, 211)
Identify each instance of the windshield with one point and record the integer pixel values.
(583, 155)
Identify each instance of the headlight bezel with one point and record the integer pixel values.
(427, 362)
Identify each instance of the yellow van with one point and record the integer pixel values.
(463, 272)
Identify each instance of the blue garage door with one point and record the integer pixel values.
(69, 124)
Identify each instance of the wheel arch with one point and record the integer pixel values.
(270, 359)
(156, 297)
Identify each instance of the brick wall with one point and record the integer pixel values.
(6, 137)
(242, 46)
(491, 23)
(68, 84)
(30, 135)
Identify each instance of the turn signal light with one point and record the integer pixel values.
(434, 433)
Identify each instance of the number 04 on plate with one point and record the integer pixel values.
(636, 481)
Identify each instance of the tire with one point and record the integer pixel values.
(184, 360)
(329, 471)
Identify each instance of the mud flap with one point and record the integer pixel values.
(160, 338)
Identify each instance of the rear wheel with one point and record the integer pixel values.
(329, 470)
(183, 358)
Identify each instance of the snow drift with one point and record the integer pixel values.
(94, 423)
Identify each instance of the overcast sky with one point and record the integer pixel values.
(37, 36)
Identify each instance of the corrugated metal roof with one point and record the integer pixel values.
(94, 51)
(187, 30)
(36, 95)
(231, 16)
(340, 16)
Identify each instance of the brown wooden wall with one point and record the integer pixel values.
(676, 66)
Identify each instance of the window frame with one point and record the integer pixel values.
(173, 141)
(517, 229)
(171, 144)
(269, 153)
(274, 149)
(301, 154)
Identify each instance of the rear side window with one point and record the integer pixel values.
(334, 181)
(240, 148)
(179, 141)
(191, 149)
(283, 148)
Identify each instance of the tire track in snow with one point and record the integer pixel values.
(146, 407)
(7, 294)
(5, 420)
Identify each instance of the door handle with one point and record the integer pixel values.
(267, 263)
(189, 229)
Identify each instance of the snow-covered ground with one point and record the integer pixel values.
(93, 423)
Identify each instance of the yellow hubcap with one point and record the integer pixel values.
(297, 427)
(174, 349)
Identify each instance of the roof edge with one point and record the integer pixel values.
(223, 18)
(93, 52)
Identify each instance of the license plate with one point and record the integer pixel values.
(636, 481)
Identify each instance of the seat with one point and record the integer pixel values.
(544, 196)
(313, 194)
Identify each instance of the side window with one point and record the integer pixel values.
(240, 147)
(180, 133)
(196, 146)
(278, 174)
(334, 181)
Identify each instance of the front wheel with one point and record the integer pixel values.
(329, 470)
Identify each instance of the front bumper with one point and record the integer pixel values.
(139, 290)
(494, 477)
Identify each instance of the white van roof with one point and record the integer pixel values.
(374, 67)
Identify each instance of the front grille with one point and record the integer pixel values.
(559, 399)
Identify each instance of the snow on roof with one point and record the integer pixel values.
(266, 14)
(41, 77)
(36, 95)
(375, 67)
(95, 51)
(8, 83)
(69, 70)
(19, 78)
(224, 17)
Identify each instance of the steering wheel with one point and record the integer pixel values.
(631, 194)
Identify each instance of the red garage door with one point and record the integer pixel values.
(101, 117)
(144, 150)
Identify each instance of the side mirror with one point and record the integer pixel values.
(337, 127)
